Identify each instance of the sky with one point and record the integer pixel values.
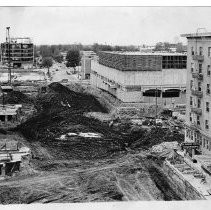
(110, 25)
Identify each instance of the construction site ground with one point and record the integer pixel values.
(66, 166)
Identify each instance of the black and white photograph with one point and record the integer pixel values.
(105, 104)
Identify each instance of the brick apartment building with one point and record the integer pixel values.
(198, 112)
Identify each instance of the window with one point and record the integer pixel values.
(207, 106)
(191, 84)
(175, 62)
(206, 124)
(199, 103)
(192, 51)
(190, 117)
(191, 101)
(198, 120)
(208, 88)
(200, 67)
(191, 133)
(209, 51)
(199, 86)
(200, 50)
(187, 133)
(208, 70)
(192, 67)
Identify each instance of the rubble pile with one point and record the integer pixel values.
(165, 149)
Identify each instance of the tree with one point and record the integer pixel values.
(159, 46)
(96, 47)
(117, 48)
(45, 51)
(180, 47)
(47, 62)
(58, 58)
(162, 46)
(73, 58)
(167, 46)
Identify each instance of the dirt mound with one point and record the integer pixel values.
(57, 87)
(16, 97)
(60, 111)
(60, 97)
(80, 88)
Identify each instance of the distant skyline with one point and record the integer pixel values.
(110, 25)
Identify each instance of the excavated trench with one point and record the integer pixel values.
(78, 169)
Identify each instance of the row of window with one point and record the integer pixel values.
(200, 86)
(200, 68)
(206, 122)
(194, 52)
(198, 105)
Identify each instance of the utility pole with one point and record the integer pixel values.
(156, 103)
(9, 61)
(3, 98)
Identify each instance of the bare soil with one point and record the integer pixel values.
(77, 169)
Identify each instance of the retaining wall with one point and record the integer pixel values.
(181, 186)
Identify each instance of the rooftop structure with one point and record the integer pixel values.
(198, 112)
(139, 61)
(196, 35)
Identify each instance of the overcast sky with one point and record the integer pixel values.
(111, 25)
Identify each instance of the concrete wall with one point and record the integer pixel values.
(166, 77)
(182, 187)
(144, 80)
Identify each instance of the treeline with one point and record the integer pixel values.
(166, 46)
(49, 52)
(55, 50)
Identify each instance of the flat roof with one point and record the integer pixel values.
(192, 35)
(145, 53)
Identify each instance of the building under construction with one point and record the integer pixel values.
(19, 52)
